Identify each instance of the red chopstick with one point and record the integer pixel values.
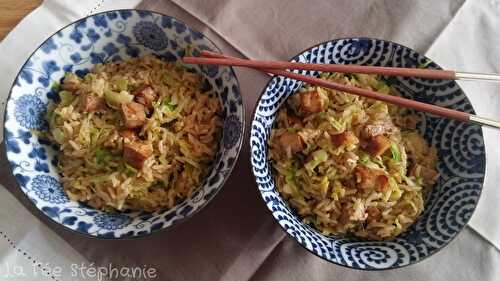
(349, 68)
(215, 58)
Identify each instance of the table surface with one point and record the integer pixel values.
(12, 11)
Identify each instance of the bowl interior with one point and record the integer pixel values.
(101, 38)
(460, 148)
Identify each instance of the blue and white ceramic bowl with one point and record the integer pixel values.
(460, 148)
(101, 38)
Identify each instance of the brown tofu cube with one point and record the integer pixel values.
(294, 120)
(367, 178)
(381, 183)
(134, 114)
(145, 95)
(428, 175)
(135, 153)
(128, 135)
(346, 138)
(90, 103)
(311, 102)
(374, 214)
(378, 145)
(291, 141)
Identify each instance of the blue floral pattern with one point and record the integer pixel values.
(30, 112)
(460, 147)
(150, 35)
(25, 136)
(37, 152)
(112, 221)
(48, 46)
(109, 36)
(49, 189)
(48, 68)
(11, 144)
(76, 34)
(232, 129)
(26, 73)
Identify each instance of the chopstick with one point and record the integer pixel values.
(346, 68)
(215, 58)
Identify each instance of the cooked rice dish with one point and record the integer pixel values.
(138, 134)
(349, 165)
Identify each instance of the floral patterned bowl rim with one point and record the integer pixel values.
(237, 125)
(301, 237)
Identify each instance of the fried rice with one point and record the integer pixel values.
(349, 165)
(138, 134)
